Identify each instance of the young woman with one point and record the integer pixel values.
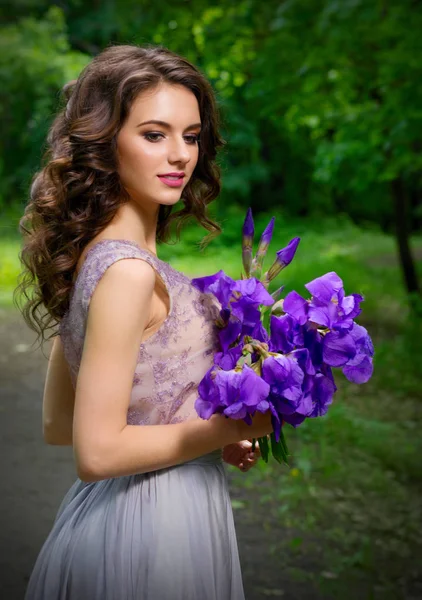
(149, 517)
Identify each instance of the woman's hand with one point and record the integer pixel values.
(240, 454)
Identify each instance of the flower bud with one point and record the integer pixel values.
(247, 241)
(263, 247)
(284, 258)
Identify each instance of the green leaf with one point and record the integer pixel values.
(279, 449)
(264, 448)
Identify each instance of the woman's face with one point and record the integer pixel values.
(148, 151)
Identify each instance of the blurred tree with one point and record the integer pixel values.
(346, 76)
(35, 62)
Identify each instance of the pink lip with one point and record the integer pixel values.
(172, 182)
(175, 174)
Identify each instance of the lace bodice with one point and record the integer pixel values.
(171, 362)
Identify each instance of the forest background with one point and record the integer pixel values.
(321, 104)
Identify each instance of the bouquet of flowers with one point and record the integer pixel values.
(277, 354)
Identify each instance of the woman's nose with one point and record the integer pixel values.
(179, 152)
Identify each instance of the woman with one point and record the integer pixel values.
(149, 516)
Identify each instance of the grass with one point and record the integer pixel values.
(349, 502)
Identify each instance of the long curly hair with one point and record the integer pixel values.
(78, 191)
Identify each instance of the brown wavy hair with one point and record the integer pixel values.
(78, 191)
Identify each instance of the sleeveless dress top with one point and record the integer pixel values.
(172, 361)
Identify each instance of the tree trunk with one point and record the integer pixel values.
(401, 215)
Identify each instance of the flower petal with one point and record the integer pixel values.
(325, 315)
(227, 361)
(235, 411)
(253, 291)
(204, 408)
(218, 284)
(296, 306)
(359, 370)
(322, 395)
(253, 389)
(324, 288)
(338, 348)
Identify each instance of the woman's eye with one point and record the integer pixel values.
(153, 137)
(192, 139)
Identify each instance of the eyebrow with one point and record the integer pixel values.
(167, 125)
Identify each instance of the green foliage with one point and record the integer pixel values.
(350, 87)
(35, 62)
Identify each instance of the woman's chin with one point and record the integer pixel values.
(170, 200)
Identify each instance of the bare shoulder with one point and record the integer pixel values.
(121, 303)
(131, 270)
(126, 277)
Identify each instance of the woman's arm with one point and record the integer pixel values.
(59, 399)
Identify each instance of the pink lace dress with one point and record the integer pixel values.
(167, 534)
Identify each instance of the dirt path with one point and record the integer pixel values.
(36, 476)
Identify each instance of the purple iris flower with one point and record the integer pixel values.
(303, 409)
(208, 400)
(286, 255)
(237, 394)
(250, 316)
(266, 237)
(252, 291)
(313, 341)
(286, 334)
(284, 258)
(306, 341)
(259, 333)
(219, 284)
(263, 245)
(303, 358)
(227, 360)
(240, 300)
(248, 229)
(359, 369)
(316, 399)
(234, 294)
(329, 306)
(326, 287)
(242, 393)
(230, 332)
(247, 241)
(249, 294)
(322, 395)
(338, 347)
(296, 306)
(305, 405)
(285, 377)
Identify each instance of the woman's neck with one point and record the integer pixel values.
(133, 222)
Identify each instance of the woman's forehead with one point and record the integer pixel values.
(170, 103)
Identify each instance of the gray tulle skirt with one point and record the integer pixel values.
(164, 535)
